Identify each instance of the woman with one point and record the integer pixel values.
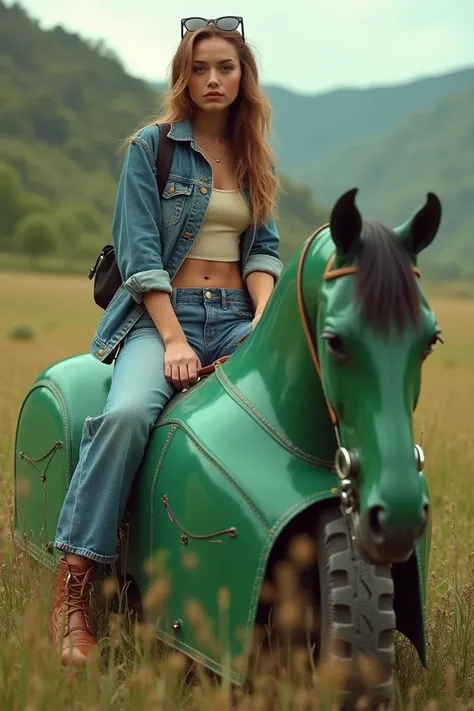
(198, 267)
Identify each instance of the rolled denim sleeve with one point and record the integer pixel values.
(136, 224)
(264, 255)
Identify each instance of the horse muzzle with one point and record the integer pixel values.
(379, 542)
(378, 539)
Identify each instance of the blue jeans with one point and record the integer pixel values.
(114, 442)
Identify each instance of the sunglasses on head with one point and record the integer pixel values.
(229, 23)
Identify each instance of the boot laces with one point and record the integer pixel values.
(79, 587)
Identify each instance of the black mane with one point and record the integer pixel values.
(386, 284)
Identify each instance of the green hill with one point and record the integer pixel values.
(431, 150)
(66, 106)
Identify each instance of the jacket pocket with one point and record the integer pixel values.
(173, 200)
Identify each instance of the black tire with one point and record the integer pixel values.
(357, 613)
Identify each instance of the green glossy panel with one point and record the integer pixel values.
(40, 467)
(53, 411)
(203, 502)
(218, 469)
(270, 471)
(84, 384)
(273, 370)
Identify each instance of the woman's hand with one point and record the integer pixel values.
(181, 364)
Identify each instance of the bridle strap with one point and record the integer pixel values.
(304, 315)
(329, 273)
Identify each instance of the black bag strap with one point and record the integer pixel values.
(164, 156)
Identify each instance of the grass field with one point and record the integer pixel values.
(62, 316)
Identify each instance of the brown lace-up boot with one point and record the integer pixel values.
(72, 614)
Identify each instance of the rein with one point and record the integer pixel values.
(329, 273)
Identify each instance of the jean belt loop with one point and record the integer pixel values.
(173, 298)
(224, 298)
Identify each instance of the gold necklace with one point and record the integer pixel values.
(204, 145)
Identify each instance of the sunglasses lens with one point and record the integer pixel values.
(194, 23)
(229, 24)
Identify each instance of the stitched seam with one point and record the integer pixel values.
(152, 491)
(240, 398)
(235, 677)
(145, 145)
(245, 314)
(188, 395)
(238, 677)
(62, 406)
(85, 552)
(184, 191)
(218, 466)
(176, 177)
(36, 553)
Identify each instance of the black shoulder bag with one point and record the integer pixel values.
(106, 272)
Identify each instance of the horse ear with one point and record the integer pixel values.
(421, 229)
(346, 223)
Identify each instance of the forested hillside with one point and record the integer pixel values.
(431, 150)
(66, 106)
(309, 128)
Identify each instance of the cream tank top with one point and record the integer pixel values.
(227, 216)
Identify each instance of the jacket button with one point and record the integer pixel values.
(171, 189)
(204, 191)
(100, 352)
(187, 235)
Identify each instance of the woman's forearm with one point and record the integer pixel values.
(260, 286)
(158, 304)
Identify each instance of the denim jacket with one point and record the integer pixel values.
(152, 236)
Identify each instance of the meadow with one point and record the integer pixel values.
(59, 314)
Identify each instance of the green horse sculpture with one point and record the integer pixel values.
(305, 433)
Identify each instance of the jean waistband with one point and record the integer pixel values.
(213, 295)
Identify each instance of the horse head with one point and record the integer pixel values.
(370, 328)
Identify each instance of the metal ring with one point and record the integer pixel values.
(419, 457)
(177, 624)
(343, 462)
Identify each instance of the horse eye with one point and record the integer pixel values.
(335, 345)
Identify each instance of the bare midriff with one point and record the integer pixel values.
(199, 274)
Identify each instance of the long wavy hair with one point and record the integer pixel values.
(249, 119)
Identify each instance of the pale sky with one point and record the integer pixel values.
(309, 46)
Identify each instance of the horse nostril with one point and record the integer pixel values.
(376, 521)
